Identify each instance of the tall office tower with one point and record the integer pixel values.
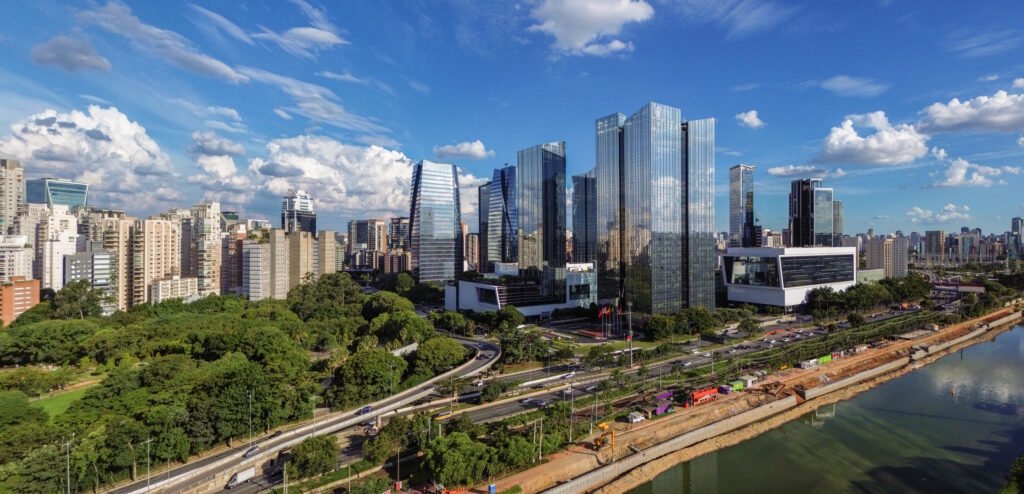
(298, 213)
(472, 251)
(503, 217)
(15, 257)
(256, 261)
(810, 213)
(301, 260)
(935, 246)
(837, 223)
(280, 260)
(483, 207)
(156, 254)
(584, 217)
(656, 242)
(26, 224)
(183, 218)
(741, 206)
(12, 192)
(540, 187)
(95, 266)
(1016, 225)
(206, 246)
(52, 191)
(435, 215)
(368, 235)
(57, 237)
(231, 260)
(326, 253)
(113, 231)
(398, 233)
(464, 232)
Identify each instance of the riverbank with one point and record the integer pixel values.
(652, 469)
(703, 429)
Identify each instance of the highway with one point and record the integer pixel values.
(204, 470)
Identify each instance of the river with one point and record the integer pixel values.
(953, 426)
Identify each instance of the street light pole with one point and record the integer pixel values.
(250, 418)
(312, 400)
(147, 463)
(68, 446)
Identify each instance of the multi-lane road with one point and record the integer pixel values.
(207, 469)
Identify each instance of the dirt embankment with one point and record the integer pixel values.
(644, 474)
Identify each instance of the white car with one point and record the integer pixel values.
(687, 363)
(569, 375)
(706, 355)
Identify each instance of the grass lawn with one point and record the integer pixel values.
(55, 404)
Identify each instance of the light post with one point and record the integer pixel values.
(68, 446)
(312, 401)
(147, 463)
(250, 419)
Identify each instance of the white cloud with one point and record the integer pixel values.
(749, 86)
(1001, 112)
(962, 173)
(889, 145)
(474, 150)
(174, 48)
(233, 127)
(348, 180)
(349, 77)
(949, 212)
(1018, 83)
(101, 147)
(223, 24)
(71, 54)
(860, 87)
(989, 78)
(985, 44)
(839, 173)
(209, 143)
(224, 111)
(283, 114)
(419, 87)
(219, 166)
(580, 27)
(797, 170)
(749, 119)
(1020, 141)
(313, 101)
(305, 41)
(739, 17)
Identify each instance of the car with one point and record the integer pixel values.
(590, 389)
(537, 386)
(569, 375)
(687, 363)
(443, 415)
(253, 451)
(567, 391)
(785, 340)
(706, 355)
(365, 410)
(526, 401)
(478, 383)
(275, 434)
(732, 350)
(541, 403)
(370, 423)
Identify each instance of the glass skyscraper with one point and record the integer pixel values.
(811, 215)
(660, 234)
(741, 206)
(503, 217)
(298, 213)
(823, 216)
(584, 217)
(541, 193)
(435, 217)
(484, 208)
(52, 191)
(837, 223)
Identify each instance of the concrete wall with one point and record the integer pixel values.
(856, 378)
(607, 473)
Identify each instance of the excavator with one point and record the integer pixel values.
(607, 436)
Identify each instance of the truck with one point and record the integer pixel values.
(241, 477)
(701, 396)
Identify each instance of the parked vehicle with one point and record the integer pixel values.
(635, 417)
(569, 375)
(253, 451)
(526, 401)
(240, 477)
(365, 410)
(590, 389)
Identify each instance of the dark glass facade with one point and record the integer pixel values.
(823, 217)
(503, 217)
(699, 258)
(435, 222)
(800, 271)
(751, 270)
(52, 191)
(540, 183)
(584, 217)
(741, 206)
(610, 213)
(484, 206)
(811, 215)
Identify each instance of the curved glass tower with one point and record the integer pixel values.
(435, 220)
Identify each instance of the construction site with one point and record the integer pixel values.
(620, 455)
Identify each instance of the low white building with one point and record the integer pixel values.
(529, 297)
(782, 277)
(185, 288)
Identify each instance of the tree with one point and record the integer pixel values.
(457, 460)
(391, 439)
(599, 356)
(660, 326)
(855, 319)
(394, 329)
(371, 485)
(78, 300)
(384, 303)
(515, 452)
(365, 376)
(451, 321)
(749, 325)
(315, 456)
(495, 388)
(437, 355)
(508, 317)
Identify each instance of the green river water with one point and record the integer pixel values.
(953, 426)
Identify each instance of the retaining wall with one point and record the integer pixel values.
(607, 473)
(856, 378)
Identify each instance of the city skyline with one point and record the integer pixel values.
(228, 104)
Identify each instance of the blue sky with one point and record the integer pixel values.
(913, 112)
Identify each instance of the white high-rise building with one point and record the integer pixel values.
(57, 237)
(156, 255)
(206, 245)
(12, 192)
(888, 254)
(15, 257)
(256, 269)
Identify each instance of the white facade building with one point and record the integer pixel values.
(15, 257)
(174, 287)
(57, 237)
(782, 277)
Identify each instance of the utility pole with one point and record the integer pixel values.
(312, 401)
(285, 477)
(250, 419)
(572, 400)
(68, 446)
(540, 450)
(593, 413)
(147, 463)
